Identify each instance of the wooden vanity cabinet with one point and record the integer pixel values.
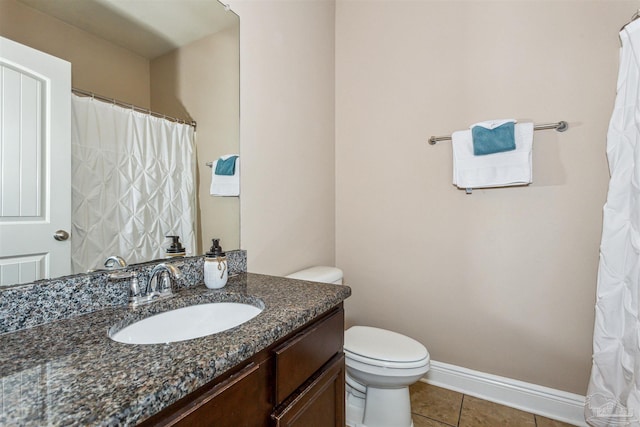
(298, 381)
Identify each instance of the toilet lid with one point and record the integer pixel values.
(380, 344)
(318, 274)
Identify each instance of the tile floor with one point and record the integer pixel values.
(438, 407)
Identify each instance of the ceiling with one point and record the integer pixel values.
(149, 28)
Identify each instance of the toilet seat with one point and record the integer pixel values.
(385, 363)
(383, 348)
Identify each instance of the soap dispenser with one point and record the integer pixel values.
(215, 266)
(176, 249)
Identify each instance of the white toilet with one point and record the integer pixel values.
(381, 365)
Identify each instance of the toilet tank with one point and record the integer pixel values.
(319, 274)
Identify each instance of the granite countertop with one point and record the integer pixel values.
(69, 372)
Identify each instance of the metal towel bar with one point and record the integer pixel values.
(559, 126)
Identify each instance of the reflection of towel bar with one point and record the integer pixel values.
(560, 127)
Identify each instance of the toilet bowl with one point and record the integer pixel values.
(380, 367)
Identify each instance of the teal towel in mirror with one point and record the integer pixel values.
(496, 140)
(226, 166)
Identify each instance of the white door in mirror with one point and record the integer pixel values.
(186, 323)
(35, 164)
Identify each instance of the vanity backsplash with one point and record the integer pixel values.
(25, 306)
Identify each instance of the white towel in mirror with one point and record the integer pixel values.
(225, 185)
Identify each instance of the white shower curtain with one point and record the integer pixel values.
(133, 183)
(613, 396)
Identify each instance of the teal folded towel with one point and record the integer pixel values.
(490, 141)
(226, 166)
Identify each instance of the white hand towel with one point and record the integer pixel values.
(225, 185)
(493, 170)
(492, 124)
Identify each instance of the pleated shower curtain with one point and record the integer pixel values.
(133, 183)
(613, 396)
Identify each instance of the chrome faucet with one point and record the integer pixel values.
(159, 285)
(115, 261)
(167, 273)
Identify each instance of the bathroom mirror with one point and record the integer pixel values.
(189, 50)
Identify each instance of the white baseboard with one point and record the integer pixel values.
(551, 403)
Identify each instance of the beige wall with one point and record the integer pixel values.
(98, 66)
(287, 133)
(201, 80)
(501, 281)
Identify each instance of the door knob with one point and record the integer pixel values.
(61, 235)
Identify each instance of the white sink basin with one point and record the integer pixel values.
(186, 323)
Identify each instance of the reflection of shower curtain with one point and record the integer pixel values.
(613, 396)
(133, 181)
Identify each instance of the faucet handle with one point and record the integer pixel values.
(134, 287)
(165, 284)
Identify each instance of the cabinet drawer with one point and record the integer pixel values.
(242, 400)
(320, 403)
(301, 356)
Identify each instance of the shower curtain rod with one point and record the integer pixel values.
(633, 18)
(560, 127)
(133, 107)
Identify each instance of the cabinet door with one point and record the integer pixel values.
(320, 403)
(301, 356)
